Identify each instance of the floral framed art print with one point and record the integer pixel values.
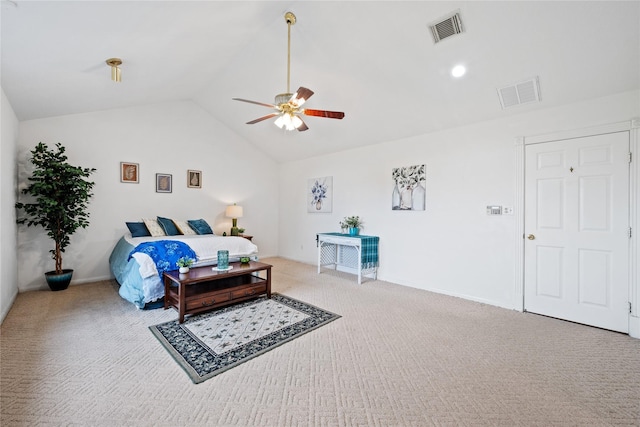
(320, 194)
(164, 183)
(409, 193)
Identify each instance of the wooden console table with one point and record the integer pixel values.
(351, 254)
(203, 288)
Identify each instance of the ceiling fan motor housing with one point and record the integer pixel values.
(283, 98)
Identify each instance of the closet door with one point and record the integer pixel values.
(577, 230)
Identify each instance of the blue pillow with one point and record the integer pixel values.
(200, 226)
(168, 226)
(138, 229)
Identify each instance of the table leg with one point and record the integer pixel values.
(182, 303)
(359, 251)
(167, 284)
(268, 282)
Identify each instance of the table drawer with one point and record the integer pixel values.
(339, 240)
(257, 289)
(208, 300)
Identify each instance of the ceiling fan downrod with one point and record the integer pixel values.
(290, 18)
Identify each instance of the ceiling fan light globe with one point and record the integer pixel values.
(289, 122)
(296, 122)
(280, 122)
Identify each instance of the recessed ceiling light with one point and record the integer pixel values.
(458, 71)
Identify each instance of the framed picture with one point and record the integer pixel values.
(129, 172)
(409, 192)
(194, 179)
(320, 194)
(163, 183)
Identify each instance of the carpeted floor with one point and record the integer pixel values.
(397, 357)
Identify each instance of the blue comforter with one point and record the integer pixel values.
(138, 263)
(165, 253)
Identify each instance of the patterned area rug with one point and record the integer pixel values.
(208, 344)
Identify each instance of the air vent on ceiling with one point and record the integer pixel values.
(520, 93)
(447, 27)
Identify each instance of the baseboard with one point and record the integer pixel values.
(43, 285)
(7, 308)
(459, 295)
(91, 280)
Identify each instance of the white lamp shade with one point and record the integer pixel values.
(233, 211)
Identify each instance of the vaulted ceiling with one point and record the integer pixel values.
(376, 61)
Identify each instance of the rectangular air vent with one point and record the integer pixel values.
(447, 27)
(519, 93)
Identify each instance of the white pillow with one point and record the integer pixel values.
(184, 227)
(154, 227)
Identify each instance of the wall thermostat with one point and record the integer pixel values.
(494, 210)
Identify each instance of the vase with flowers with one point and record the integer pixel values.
(184, 263)
(353, 224)
(318, 193)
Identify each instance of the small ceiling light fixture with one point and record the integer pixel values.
(116, 73)
(458, 71)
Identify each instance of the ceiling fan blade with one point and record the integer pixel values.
(301, 95)
(324, 113)
(303, 126)
(268, 116)
(255, 102)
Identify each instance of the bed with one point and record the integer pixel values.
(139, 273)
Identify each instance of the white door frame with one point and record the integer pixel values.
(633, 126)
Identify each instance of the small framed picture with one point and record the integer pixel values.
(163, 183)
(129, 172)
(194, 179)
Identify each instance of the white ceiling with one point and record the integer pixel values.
(376, 61)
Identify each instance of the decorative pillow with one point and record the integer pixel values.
(138, 229)
(168, 226)
(153, 226)
(200, 226)
(184, 228)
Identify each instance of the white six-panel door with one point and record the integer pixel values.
(576, 251)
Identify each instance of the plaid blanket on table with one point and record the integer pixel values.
(368, 249)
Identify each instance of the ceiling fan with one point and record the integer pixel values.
(288, 105)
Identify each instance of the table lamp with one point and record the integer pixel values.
(234, 212)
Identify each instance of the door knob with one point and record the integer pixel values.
(531, 237)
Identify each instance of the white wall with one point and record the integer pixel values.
(8, 236)
(453, 247)
(164, 138)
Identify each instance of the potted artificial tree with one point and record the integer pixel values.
(60, 194)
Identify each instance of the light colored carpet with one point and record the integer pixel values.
(397, 357)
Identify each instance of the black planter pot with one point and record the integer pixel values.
(58, 282)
